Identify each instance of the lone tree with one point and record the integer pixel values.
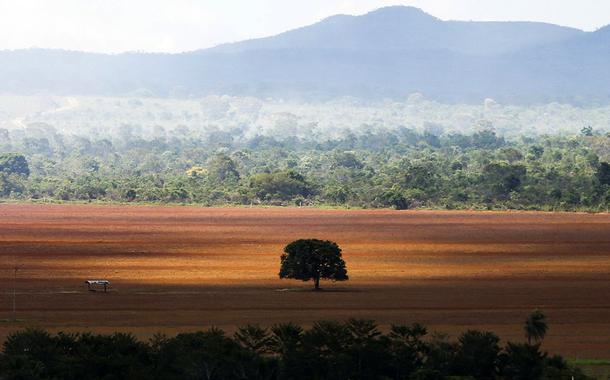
(313, 259)
(535, 327)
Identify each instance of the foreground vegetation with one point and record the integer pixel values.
(356, 349)
(398, 168)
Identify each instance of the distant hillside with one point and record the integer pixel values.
(407, 29)
(391, 52)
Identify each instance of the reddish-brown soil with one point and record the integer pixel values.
(185, 268)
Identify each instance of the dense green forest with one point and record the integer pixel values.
(356, 349)
(401, 168)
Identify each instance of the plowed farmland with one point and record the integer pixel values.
(185, 268)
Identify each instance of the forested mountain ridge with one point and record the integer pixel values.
(391, 52)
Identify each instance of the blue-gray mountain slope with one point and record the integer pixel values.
(390, 52)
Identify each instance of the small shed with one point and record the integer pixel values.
(93, 284)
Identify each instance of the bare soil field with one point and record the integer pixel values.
(185, 268)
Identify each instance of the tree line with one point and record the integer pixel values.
(399, 168)
(355, 349)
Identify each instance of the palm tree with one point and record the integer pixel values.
(254, 338)
(535, 327)
(286, 338)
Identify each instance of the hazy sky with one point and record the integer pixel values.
(180, 25)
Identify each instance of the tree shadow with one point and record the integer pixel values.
(321, 290)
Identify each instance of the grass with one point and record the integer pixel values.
(595, 368)
(321, 206)
(590, 362)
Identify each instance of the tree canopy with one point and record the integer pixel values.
(355, 349)
(283, 185)
(535, 327)
(401, 168)
(13, 163)
(313, 259)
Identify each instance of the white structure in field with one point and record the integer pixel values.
(91, 284)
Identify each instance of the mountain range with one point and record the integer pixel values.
(391, 52)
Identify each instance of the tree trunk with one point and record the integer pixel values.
(316, 283)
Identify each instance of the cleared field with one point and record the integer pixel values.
(185, 268)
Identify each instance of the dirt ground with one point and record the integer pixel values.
(185, 268)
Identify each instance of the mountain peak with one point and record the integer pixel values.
(404, 28)
(400, 9)
(390, 13)
(399, 13)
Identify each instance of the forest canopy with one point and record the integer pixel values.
(402, 169)
(346, 152)
(355, 349)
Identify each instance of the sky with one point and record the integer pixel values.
(113, 26)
